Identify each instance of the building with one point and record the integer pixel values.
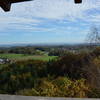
(4, 60)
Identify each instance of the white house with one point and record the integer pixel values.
(4, 60)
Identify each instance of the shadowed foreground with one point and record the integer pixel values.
(9, 97)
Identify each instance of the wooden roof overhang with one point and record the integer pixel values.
(6, 4)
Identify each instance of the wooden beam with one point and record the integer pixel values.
(78, 1)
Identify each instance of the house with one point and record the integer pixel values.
(4, 60)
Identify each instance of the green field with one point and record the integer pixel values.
(27, 57)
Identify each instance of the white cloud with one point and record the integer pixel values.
(15, 22)
(55, 9)
(30, 13)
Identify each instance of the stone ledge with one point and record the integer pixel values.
(14, 97)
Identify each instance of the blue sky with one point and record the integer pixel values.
(49, 21)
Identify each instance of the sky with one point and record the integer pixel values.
(49, 21)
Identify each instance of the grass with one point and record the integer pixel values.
(27, 57)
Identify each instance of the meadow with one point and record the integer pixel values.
(18, 57)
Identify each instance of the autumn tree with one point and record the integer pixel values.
(93, 36)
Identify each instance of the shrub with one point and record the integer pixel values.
(94, 93)
(28, 92)
(63, 87)
(46, 88)
(69, 88)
